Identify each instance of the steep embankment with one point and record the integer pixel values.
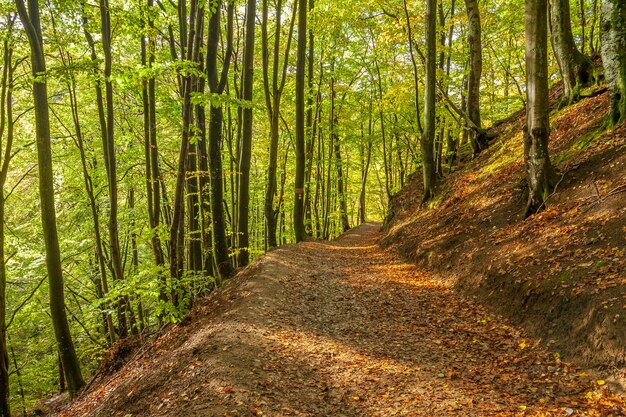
(342, 328)
(560, 274)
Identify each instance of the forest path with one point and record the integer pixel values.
(343, 328)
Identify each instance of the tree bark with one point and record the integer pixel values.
(273, 95)
(428, 137)
(31, 22)
(151, 153)
(245, 157)
(6, 121)
(539, 171)
(108, 145)
(474, 41)
(298, 211)
(217, 85)
(613, 34)
(334, 121)
(576, 69)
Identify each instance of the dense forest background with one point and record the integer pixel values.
(171, 142)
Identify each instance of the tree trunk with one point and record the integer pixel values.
(366, 154)
(382, 129)
(576, 69)
(246, 139)
(474, 34)
(216, 85)
(414, 66)
(298, 211)
(31, 22)
(151, 153)
(334, 121)
(6, 120)
(592, 27)
(613, 34)
(310, 128)
(194, 185)
(103, 285)
(428, 137)
(108, 145)
(539, 171)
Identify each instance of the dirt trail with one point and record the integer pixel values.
(342, 328)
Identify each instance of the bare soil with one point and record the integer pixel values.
(343, 328)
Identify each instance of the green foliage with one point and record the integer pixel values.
(360, 49)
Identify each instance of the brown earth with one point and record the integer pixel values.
(343, 328)
(560, 274)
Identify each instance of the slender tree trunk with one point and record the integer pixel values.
(592, 28)
(583, 25)
(382, 130)
(194, 248)
(31, 22)
(298, 212)
(151, 153)
(6, 125)
(103, 285)
(418, 113)
(428, 137)
(539, 171)
(576, 68)
(474, 41)
(246, 139)
(217, 85)
(613, 33)
(176, 232)
(366, 157)
(334, 121)
(108, 145)
(310, 129)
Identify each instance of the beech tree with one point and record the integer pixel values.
(217, 84)
(576, 69)
(30, 18)
(7, 137)
(474, 40)
(298, 211)
(540, 173)
(428, 137)
(613, 35)
(273, 95)
(246, 139)
(165, 164)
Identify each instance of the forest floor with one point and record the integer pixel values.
(560, 274)
(343, 328)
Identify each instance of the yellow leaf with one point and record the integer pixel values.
(523, 345)
(601, 382)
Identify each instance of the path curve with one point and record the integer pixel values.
(341, 328)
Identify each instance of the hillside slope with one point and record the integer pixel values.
(560, 274)
(342, 328)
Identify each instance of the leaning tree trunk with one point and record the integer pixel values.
(31, 22)
(613, 36)
(539, 171)
(576, 68)
(428, 137)
(474, 41)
